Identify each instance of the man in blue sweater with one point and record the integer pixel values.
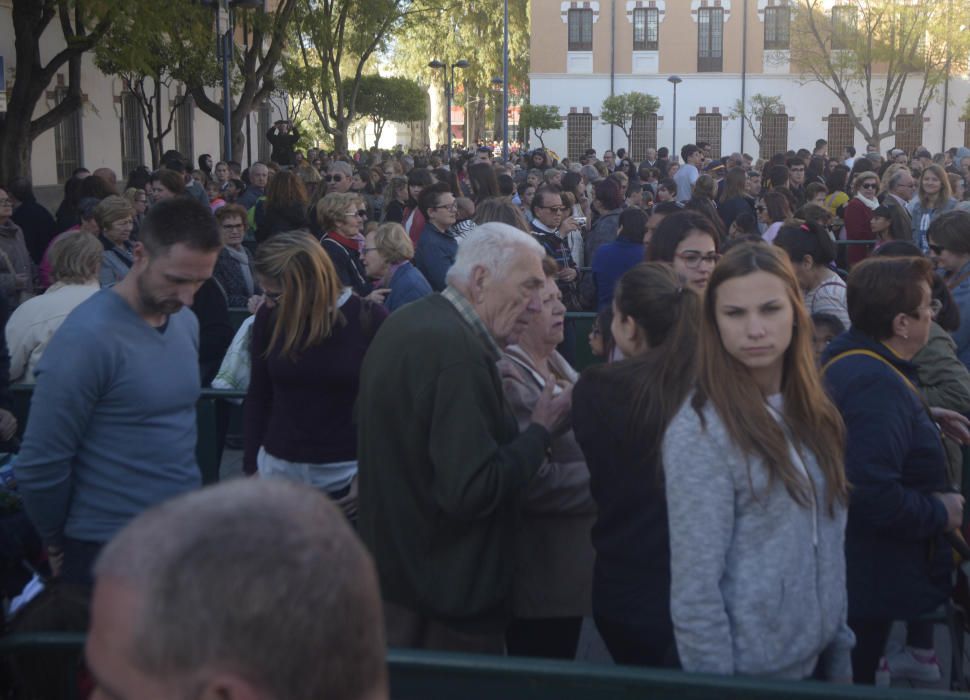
(112, 423)
(437, 248)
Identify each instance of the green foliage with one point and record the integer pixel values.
(539, 119)
(385, 100)
(471, 30)
(149, 58)
(330, 44)
(621, 110)
(759, 106)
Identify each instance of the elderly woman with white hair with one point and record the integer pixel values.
(442, 523)
(75, 261)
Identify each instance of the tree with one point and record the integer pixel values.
(452, 30)
(151, 62)
(622, 110)
(253, 71)
(385, 100)
(332, 42)
(869, 52)
(539, 119)
(31, 19)
(759, 106)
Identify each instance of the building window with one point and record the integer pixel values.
(844, 23)
(777, 26)
(184, 142)
(774, 135)
(67, 140)
(708, 127)
(132, 133)
(909, 132)
(710, 39)
(646, 29)
(643, 135)
(841, 133)
(580, 30)
(579, 134)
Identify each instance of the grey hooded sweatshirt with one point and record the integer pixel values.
(757, 581)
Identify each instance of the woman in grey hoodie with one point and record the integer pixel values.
(756, 488)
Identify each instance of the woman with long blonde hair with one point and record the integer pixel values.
(756, 488)
(309, 340)
(933, 197)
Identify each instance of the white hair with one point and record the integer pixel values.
(493, 246)
(342, 167)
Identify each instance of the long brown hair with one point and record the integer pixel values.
(660, 379)
(809, 415)
(306, 312)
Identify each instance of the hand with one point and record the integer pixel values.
(348, 504)
(254, 302)
(378, 295)
(567, 274)
(568, 224)
(954, 425)
(8, 425)
(953, 502)
(553, 412)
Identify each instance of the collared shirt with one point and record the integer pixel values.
(472, 318)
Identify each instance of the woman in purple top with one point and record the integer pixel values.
(309, 340)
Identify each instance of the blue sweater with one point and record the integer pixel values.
(112, 425)
(434, 256)
(609, 264)
(407, 284)
(961, 296)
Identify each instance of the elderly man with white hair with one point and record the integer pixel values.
(339, 176)
(442, 463)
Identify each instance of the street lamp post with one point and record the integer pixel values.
(224, 47)
(674, 80)
(449, 91)
(505, 87)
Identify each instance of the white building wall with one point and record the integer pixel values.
(807, 103)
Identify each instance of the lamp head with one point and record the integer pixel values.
(436, 64)
(675, 79)
(461, 63)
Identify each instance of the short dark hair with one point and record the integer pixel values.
(850, 150)
(182, 220)
(633, 225)
(688, 150)
(171, 180)
(20, 189)
(799, 239)
(880, 288)
(430, 196)
(609, 192)
(550, 190)
(952, 231)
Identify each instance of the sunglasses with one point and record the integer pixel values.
(333, 178)
(868, 186)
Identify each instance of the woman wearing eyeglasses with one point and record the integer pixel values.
(234, 269)
(689, 242)
(858, 214)
(948, 239)
(932, 199)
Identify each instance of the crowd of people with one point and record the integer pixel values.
(760, 476)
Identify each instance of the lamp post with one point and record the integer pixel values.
(505, 87)
(674, 80)
(449, 91)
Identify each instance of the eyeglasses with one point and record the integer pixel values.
(333, 178)
(367, 250)
(693, 259)
(868, 186)
(937, 249)
(451, 207)
(561, 210)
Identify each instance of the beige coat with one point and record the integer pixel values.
(554, 555)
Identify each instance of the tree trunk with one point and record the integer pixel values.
(16, 146)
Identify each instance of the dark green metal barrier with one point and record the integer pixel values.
(211, 417)
(424, 675)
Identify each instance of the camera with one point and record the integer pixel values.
(580, 220)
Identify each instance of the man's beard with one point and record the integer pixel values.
(151, 305)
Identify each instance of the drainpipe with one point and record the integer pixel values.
(612, 60)
(744, 65)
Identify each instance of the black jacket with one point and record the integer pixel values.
(38, 226)
(282, 145)
(215, 330)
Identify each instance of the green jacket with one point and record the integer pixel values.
(442, 467)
